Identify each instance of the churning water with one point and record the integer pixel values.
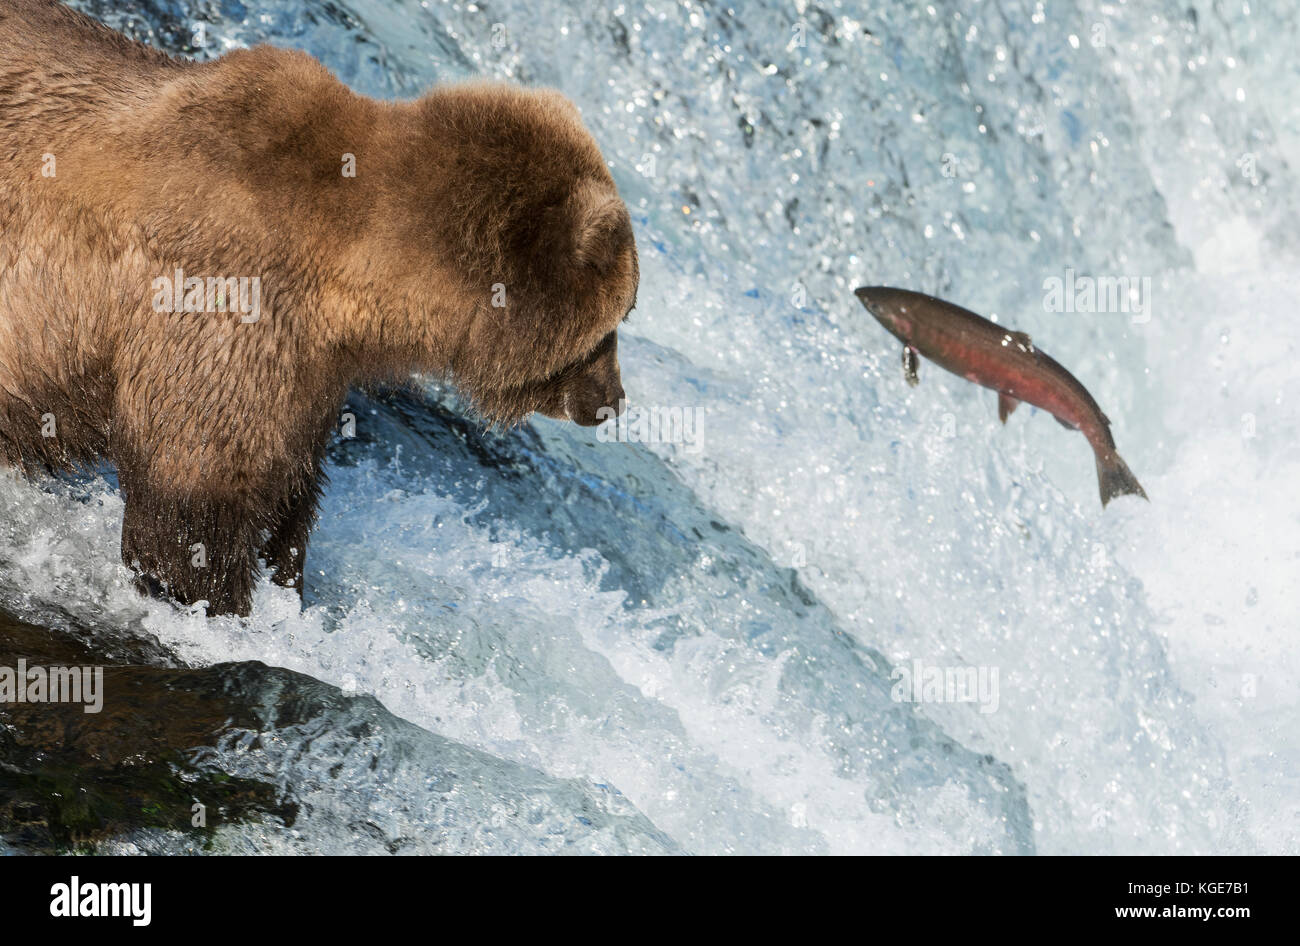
(589, 645)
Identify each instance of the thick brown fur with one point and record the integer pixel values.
(470, 196)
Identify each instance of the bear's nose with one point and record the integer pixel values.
(591, 405)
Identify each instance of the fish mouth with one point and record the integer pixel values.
(873, 297)
(875, 300)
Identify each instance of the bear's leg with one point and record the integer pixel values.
(191, 549)
(286, 551)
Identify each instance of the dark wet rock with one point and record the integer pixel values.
(282, 762)
(69, 778)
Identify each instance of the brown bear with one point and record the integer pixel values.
(198, 259)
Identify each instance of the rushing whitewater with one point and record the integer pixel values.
(748, 640)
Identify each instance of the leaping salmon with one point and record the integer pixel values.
(1006, 361)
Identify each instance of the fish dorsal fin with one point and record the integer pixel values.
(1019, 339)
(1006, 404)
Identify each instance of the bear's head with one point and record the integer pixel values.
(521, 212)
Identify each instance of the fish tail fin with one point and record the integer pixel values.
(1115, 479)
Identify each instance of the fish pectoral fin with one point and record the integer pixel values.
(910, 363)
(1065, 423)
(1006, 404)
(1023, 340)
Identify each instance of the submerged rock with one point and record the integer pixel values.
(246, 757)
(70, 778)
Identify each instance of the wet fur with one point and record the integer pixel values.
(234, 168)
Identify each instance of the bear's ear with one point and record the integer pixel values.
(600, 225)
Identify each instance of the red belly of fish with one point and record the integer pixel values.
(1011, 373)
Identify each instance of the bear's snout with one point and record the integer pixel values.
(590, 403)
(593, 392)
